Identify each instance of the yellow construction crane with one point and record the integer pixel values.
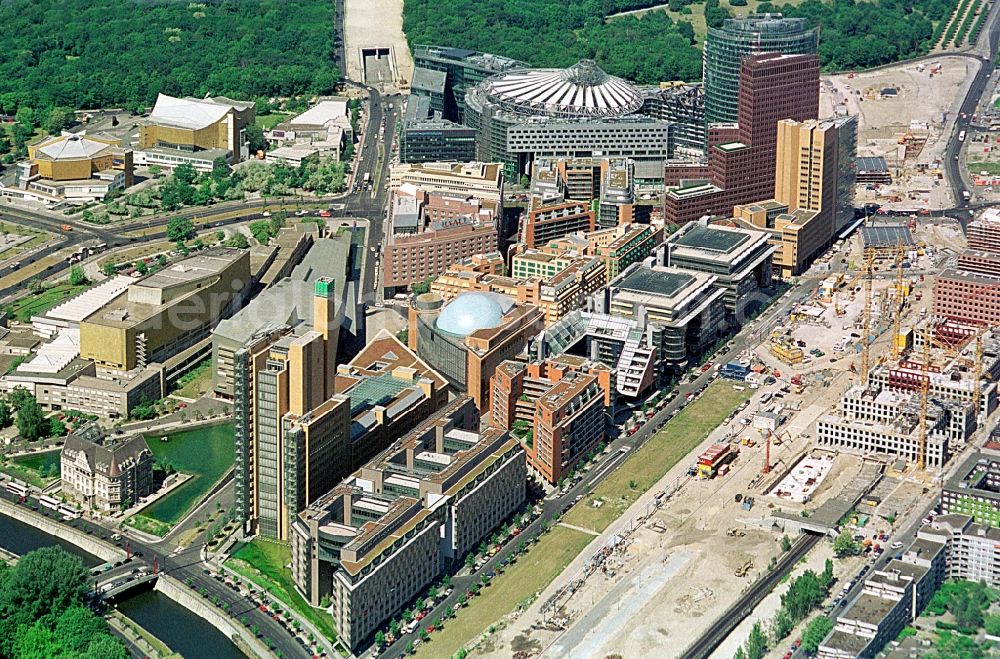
(925, 387)
(866, 325)
(897, 326)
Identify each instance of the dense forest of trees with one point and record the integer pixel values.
(865, 34)
(43, 614)
(559, 33)
(654, 48)
(101, 53)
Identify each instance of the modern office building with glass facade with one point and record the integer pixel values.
(463, 70)
(581, 111)
(726, 46)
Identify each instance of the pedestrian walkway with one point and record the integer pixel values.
(143, 640)
(580, 529)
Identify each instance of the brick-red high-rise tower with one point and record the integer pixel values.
(773, 87)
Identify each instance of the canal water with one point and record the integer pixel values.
(181, 630)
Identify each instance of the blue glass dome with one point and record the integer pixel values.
(468, 313)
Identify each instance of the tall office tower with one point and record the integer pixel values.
(813, 190)
(725, 48)
(325, 322)
(741, 157)
(288, 424)
(812, 158)
(773, 87)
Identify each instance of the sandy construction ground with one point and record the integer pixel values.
(678, 571)
(924, 107)
(372, 24)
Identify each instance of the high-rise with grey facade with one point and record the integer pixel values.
(463, 69)
(726, 46)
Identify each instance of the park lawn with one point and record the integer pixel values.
(37, 303)
(658, 455)
(31, 469)
(271, 119)
(148, 525)
(533, 571)
(205, 453)
(266, 562)
(197, 382)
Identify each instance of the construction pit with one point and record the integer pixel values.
(661, 585)
(906, 114)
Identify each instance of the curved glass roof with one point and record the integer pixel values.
(582, 90)
(468, 313)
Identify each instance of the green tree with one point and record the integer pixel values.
(422, 286)
(18, 397)
(756, 644)
(31, 422)
(179, 228)
(379, 638)
(141, 267)
(105, 646)
(827, 576)
(220, 169)
(144, 410)
(57, 119)
(845, 545)
(255, 138)
(6, 414)
(238, 240)
(36, 642)
(77, 627)
(109, 268)
(781, 625)
(56, 428)
(261, 231)
(77, 276)
(815, 632)
(185, 173)
(45, 582)
(786, 543)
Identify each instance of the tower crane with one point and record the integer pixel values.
(898, 316)
(867, 318)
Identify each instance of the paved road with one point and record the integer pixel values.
(953, 165)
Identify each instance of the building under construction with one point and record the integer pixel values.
(888, 424)
(964, 365)
(924, 404)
